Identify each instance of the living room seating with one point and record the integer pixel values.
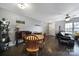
(65, 39)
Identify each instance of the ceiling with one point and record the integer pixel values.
(45, 11)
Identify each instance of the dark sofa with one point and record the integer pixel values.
(65, 39)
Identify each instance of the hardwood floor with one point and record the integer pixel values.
(51, 48)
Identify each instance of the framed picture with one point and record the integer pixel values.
(20, 22)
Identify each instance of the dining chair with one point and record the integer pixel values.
(32, 44)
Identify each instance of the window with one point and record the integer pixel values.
(68, 27)
(76, 26)
(72, 27)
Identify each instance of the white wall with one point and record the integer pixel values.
(53, 27)
(50, 28)
(12, 17)
(61, 24)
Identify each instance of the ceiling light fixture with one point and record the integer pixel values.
(67, 18)
(22, 5)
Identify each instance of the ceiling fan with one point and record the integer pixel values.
(22, 5)
(67, 18)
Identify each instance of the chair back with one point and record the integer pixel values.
(32, 43)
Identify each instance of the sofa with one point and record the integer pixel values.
(66, 39)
